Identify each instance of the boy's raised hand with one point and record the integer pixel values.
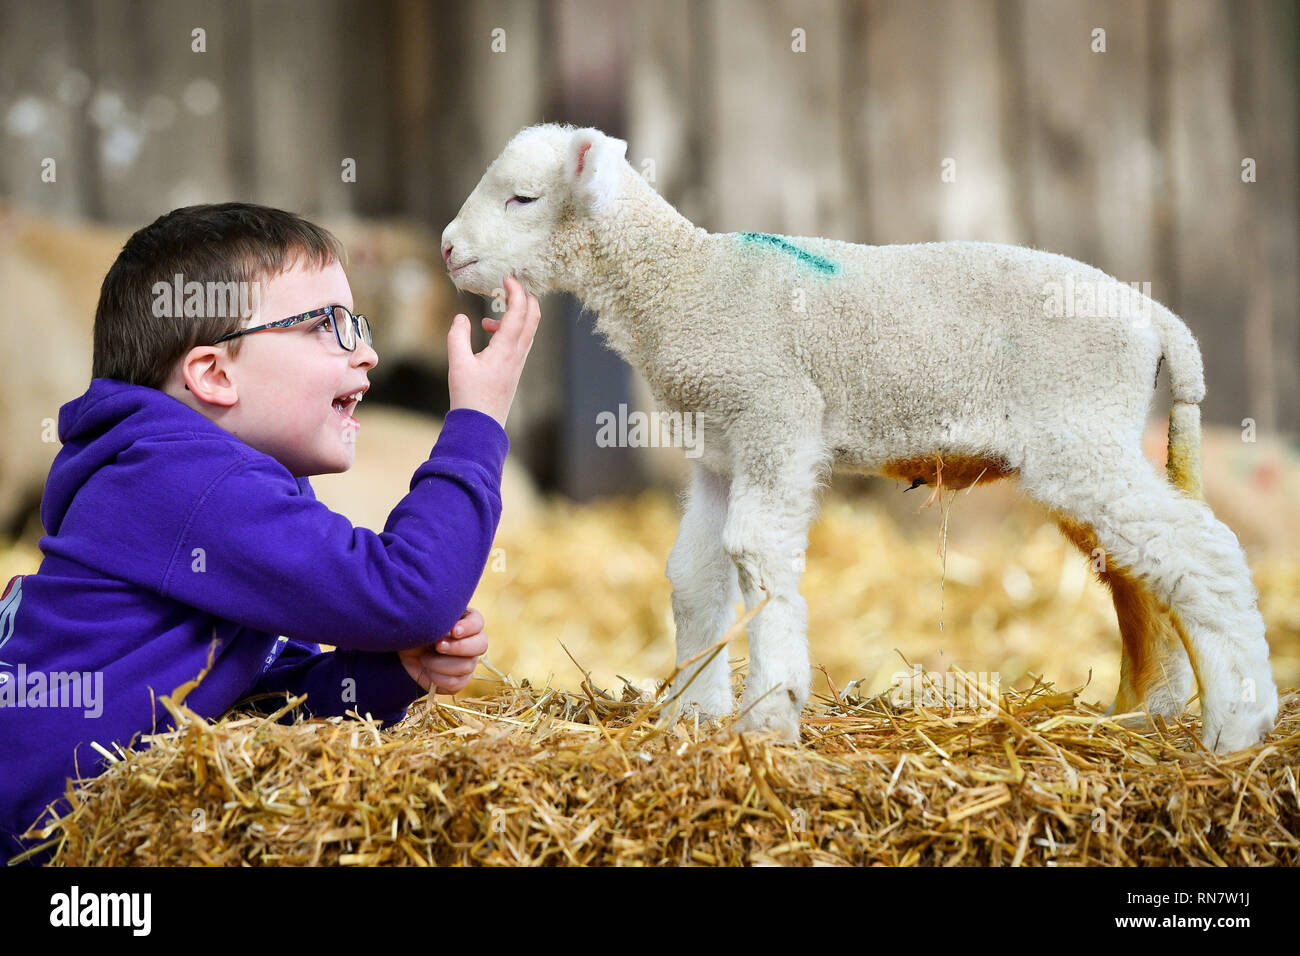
(448, 664)
(487, 381)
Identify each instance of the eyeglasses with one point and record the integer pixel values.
(348, 326)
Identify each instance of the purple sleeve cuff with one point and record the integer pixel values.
(469, 433)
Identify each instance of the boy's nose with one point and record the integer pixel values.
(364, 356)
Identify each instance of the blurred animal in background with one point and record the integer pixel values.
(391, 444)
(51, 272)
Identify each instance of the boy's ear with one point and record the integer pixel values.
(202, 366)
(592, 166)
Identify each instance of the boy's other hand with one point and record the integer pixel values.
(448, 663)
(487, 381)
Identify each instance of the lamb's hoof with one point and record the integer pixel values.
(775, 718)
(708, 713)
(1243, 727)
(1142, 719)
(1137, 721)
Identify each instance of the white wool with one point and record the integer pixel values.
(802, 354)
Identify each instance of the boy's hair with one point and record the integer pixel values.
(141, 332)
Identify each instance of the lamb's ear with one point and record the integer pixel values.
(592, 166)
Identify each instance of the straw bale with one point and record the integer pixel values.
(559, 755)
(541, 776)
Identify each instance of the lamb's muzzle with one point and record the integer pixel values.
(952, 363)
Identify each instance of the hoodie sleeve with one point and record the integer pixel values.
(338, 681)
(258, 550)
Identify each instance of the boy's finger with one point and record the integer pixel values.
(455, 666)
(470, 622)
(513, 289)
(513, 321)
(452, 685)
(475, 645)
(531, 322)
(459, 347)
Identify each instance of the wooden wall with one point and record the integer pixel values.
(1130, 159)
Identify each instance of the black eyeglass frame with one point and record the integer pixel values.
(359, 323)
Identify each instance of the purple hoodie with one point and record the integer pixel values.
(166, 535)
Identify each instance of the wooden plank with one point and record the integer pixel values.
(1264, 40)
(163, 125)
(295, 125)
(499, 55)
(1209, 201)
(776, 163)
(932, 80)
(368, 111)
(590, 83)
(666, 132)
(979, 204)
(663, 69)
(44, 88)
(1087, 166)
(855, 25)
(419, 73)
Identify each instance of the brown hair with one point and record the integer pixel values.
(141, 332)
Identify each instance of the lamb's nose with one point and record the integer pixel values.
(446, 254)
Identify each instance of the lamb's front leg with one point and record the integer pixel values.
(772, 506)
(704, 595)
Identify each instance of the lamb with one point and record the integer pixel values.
(948, 364)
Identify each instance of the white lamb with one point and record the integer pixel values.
(942, 363)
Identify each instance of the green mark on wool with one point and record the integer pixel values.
(819, 263)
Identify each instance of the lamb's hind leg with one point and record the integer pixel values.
(1192, 564)
(704, 595)
(1155, 673)
(773, 502)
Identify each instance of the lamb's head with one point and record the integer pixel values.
(524, 215)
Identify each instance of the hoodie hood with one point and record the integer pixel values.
(102, 425)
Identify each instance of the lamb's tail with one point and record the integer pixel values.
(1187, 391)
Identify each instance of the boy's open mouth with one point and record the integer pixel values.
(345, 405)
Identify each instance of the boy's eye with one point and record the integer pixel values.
(322, 324)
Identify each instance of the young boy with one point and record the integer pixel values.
(180, 522)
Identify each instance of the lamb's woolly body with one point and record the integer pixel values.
(802, 353)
